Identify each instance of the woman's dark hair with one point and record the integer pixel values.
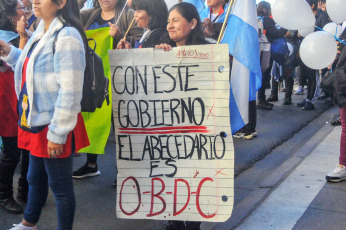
(156, 9)
(7, 10)
(120, 4)
(263, 5)
(189, 12)
(69, 16)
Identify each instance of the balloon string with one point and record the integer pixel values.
(336, 38)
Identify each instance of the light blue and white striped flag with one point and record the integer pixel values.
(246, 78)
(199, 4)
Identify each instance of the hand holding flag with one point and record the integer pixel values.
(114, 31)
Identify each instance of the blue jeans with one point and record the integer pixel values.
(57, 174)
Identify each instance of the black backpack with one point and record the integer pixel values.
(95, 87)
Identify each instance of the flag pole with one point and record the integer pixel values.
(225, 22)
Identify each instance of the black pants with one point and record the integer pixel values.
(252, 115)
(265, 80)
(183, 225)
(310, 76)
(288, 84)
(8, 163)
(91, 158)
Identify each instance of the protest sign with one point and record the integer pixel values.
(175, 153)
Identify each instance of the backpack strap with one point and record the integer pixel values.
(56, 38)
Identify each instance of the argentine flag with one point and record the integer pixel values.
(242, 37)
(199, 4)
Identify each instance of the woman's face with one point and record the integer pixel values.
(21, 10)
(142, 18)
(45, 9)
(107, 5)
(215, 3)
(179, 28)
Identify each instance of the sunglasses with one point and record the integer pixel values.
(24, 8)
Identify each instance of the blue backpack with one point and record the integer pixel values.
(279, 50)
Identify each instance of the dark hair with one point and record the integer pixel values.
(7, 9)
(69, 16)
(313, 2)
(120, 4)
(189, 12)
(263, 5)
(156, 9)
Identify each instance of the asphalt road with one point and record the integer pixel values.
(96, 197)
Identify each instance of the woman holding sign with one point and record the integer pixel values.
(107, 22)
(184, 28)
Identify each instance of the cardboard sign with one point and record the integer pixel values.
(175, 152)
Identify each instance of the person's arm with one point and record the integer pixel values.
(272, 31)
(69, 66)
(9, 54)
(23, 34)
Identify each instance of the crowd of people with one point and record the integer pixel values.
(43, 49)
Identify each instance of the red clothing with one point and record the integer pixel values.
(8, 105)
(37, 143)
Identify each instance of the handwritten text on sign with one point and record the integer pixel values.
(175, 152)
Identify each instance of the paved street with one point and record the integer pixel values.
(289, 134)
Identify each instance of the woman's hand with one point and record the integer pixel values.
(5, 48)
(164, 46)
(322, 6)
(54, 150)
(21, 24)
(114, 31)
(123, 44)
(209, 27)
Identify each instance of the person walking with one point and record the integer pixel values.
(339, 173)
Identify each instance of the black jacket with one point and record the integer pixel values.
(155, 37)
(272, 32)
(322, 19)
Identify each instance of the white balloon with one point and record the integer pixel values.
(318, 50)
(306, 32)
(333, 28)
(290, 48)
(336, 10)
(293, 14)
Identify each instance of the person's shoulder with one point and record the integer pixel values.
(69, 31)
(158, 32)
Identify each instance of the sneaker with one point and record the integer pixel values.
(301, 104)
(264, 106)
(299, 91)
(273, 98)
(240, 133)
(337, 175)
(268, 103)
(249, 134)
(308, 106)
(86, 171)
(11, 206)
(287, 101)
(336, 120)
(22, 227)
